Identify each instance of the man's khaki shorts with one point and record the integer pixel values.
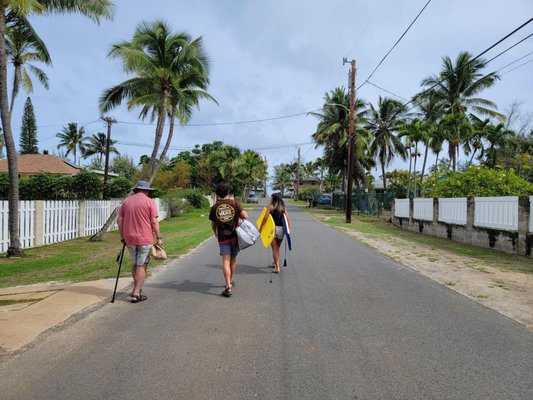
(140, 254)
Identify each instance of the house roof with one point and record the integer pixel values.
(35, 163)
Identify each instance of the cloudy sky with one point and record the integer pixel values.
(275, 58)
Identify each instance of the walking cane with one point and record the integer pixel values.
(285, 260)
(120, 256)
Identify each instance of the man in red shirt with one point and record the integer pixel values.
(138, 223)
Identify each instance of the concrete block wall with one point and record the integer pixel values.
(516, 242)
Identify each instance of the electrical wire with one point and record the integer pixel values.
(521, 65)
(395, 44)
(386, 91)
(515, 61)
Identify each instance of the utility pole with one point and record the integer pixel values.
(109, 121)
(350, 142)
(297, 176)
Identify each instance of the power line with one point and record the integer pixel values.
(509, 48)
(385, 90)
(225, 123)
(475, 58)
(395, 44)
(515, 61)
(521, 65)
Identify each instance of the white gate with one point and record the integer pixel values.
(423, 209)
(96, 214)
(401, 208)
(453, 210)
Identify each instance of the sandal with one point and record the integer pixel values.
(136, 298)
(232, 284)
(275, 272)
(226, 292)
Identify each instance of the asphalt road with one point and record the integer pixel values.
(339, 322)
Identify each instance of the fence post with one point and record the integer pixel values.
(524, 210)
(411, 210)
(81, 218)
(435, 212)
(39, 223)
(470, 217)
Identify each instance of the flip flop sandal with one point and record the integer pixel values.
(226, 292)
(138, 298)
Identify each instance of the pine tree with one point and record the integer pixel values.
(28, 135)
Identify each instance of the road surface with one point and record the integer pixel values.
(339, 322)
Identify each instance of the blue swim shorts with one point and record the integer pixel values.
(229, 248)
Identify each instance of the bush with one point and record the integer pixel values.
(308, 194)
(176, 203)
(196, 198)
(477, 181)
(44, 186)
(118, 188)
(85, 185)
(4, 186)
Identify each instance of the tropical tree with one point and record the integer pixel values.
(309, 170)
(282, 179)
(384, 124)
(15, 13)
(171, 71)
(252, 170)
(414, 133)
(322, 168)
(97, 145)
(28, 130)
(72, 139)
(23, 47)
(124, 166)
(498, 138)
(333, 128)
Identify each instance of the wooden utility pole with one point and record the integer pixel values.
(297, 176)
(350, 143)
(109, 121)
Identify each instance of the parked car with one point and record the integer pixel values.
(252, 198)
(325, 199)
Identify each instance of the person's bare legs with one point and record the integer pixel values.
(233, 266)
(275, 254)
(138, 278)
(226, 268)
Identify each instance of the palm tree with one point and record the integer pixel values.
(332, 131)
(252, 169)
(455, 89)
(73, 139)
(322, 167)
(23, 46)
(97, 145)
(384, 124)
(499, 139)
(169, 69)
(309, 170)
(415, 133)
(15, 12)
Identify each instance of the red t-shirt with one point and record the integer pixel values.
(137, 212)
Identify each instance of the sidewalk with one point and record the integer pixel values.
(40, 307)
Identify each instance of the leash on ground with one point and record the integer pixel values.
(120, 256)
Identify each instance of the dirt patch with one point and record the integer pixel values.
(508, 292)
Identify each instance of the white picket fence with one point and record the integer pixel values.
(453, 210)
(61, 220)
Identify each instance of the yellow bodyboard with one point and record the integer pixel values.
(269, 228)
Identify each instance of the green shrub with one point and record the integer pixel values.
(44, 186)
(477, 181)
(85, 185)
(118, 188)
(176, 202)
(4, 186)
(196, 198)
(308, 194)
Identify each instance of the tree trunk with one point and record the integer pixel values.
(409, 175)
(384, 178)
(98, 235)
(14, 248)
(414, 168)
(165, 149)
(16, 73)
(149, 168)
(424, 164)
(437, 161)
(472, 158)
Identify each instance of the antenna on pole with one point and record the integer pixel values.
(344, 60)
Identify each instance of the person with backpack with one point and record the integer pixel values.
(224, 216)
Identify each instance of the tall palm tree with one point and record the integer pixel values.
(252, 169)
(384, 124)
(322, 168)
(159, 59)
(15, 12)
(332, 131)
(499, 138)
(456, 88)
(73, 139)
(23, 46)
(97, 145)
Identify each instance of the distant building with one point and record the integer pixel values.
(34, 164)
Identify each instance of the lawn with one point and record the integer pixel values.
(80, 260)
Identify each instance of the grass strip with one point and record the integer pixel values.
(81, 260)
